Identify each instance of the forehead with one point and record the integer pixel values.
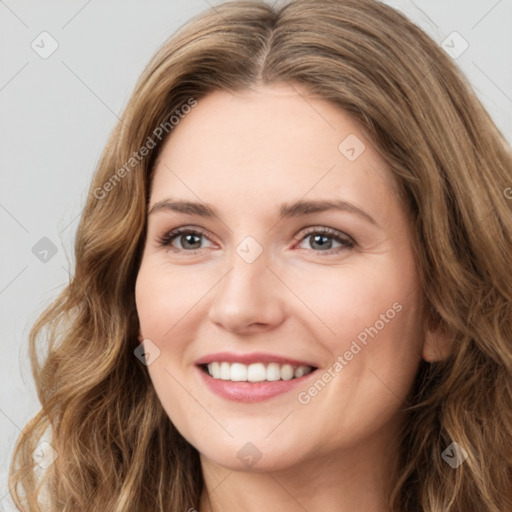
(268, 144)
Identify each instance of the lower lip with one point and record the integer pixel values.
(250, 391)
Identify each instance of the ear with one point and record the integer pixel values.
(437, 344)
(140, 337)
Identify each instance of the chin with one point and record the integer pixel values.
(260, 463)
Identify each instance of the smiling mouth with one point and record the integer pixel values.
(256, 372)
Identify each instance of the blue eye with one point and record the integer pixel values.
(323, 238)
(185, 236)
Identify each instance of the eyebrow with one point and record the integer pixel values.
(286, 210)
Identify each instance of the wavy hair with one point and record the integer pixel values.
(453, 168)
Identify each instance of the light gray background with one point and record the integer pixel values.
(56, 114)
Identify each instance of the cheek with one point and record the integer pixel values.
(164, 297)
(371, 328)
(333, 306)
(362, 302)
(374, 340)
(162, 313)
(338, 305)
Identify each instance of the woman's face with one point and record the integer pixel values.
(270, 276)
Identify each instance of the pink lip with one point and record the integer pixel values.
(254, 357)
(250, 392)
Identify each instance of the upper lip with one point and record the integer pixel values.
(253, 357)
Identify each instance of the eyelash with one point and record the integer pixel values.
(346, 241)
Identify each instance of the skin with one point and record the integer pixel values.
(245, 154)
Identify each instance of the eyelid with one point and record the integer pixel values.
(348, 241)
(168, 236)
(334, 233)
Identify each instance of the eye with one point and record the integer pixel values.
(322, 239)
(189, 239)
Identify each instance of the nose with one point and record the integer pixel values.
(249, 299)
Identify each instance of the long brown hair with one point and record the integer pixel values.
(117, 449)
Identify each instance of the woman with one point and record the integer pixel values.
(338, 335)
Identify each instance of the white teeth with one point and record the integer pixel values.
(301, 371)
(287, 372)
(238, 372)
(215, 368)
(273, 372)
(256, 372)
(225, 371)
